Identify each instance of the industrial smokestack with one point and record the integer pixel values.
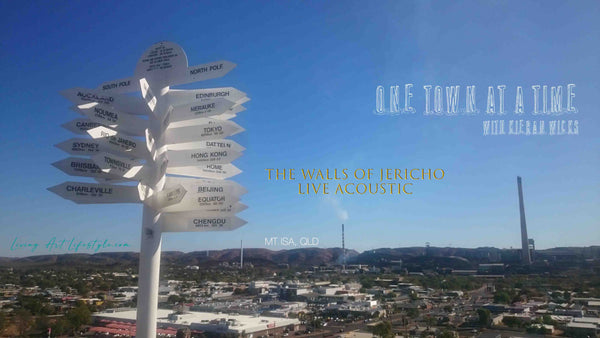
(241, 254)
(525, 254)
(343, 251)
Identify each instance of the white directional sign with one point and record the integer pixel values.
(212, 129)
(178, 97)
(201, 109)
(195, 157)
(206, 71)
(76, 166)
(125, 103)
(80, 126)
(231, 113)
(109, 116)
(219, 143)
(214, 171)
(230, 209)
(118, 143)
(118, 166)
(197, 221)
(205, 194)
(228, 115)
(112, 180)
(166, 197)
(86, 193)
(80, 146)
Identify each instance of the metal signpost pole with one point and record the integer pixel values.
(185, 136)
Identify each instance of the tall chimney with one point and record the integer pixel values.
(526, 257)
(241, 254)
(343, 250)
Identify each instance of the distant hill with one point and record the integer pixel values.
(262, 257)
(456, 258)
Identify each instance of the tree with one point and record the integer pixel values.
(485, 317)
(174, 299)
(430, 321)
(79, 316)
(60, 327)
(2, 321)
(512, 322)
(447, 334)
(23, 320)
(383, 329)
(546, 319)
(413, 313)
(502, 297)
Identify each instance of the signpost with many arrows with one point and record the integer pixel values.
(170, 142)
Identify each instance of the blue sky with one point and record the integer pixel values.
(311, 69)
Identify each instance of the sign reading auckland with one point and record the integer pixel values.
(132, 145)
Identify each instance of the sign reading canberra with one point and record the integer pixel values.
(134, 144)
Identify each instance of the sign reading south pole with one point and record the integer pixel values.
(127, 139)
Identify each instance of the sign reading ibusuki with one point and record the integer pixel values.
(149, 138)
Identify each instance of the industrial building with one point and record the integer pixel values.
(238, 325)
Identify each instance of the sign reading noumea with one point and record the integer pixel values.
(145, 140)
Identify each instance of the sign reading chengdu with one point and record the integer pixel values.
(522, 110)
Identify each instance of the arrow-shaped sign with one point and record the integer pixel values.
(206, 71)
(178, 96)
(116, 142)
(205, 194)
(76, 166)
(219, 143)
(212, 129)
(195, 157)
(80, 126)
(195, 221)
(202, 109)
(80, 146)
(87, 193)
(166, 197)
(228, 210)
(125, 103)
(228, 115)
(213, 171)
(118, 166)
(109, 116)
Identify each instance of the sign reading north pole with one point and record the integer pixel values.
(123, 140)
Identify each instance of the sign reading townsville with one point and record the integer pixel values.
(132, 145)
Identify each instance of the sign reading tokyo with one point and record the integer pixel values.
(127, 139)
